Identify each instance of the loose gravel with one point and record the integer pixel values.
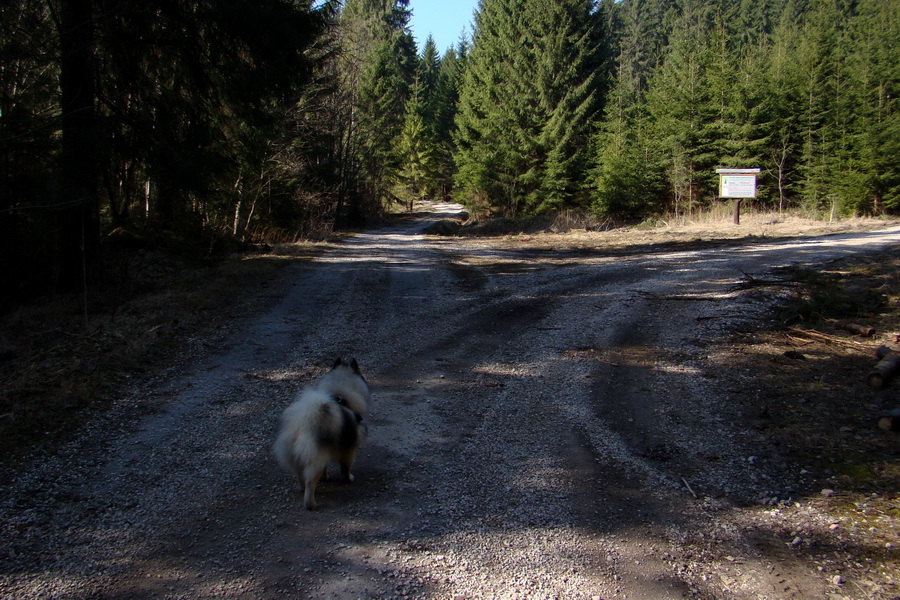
(545, 425)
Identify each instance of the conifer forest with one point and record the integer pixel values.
(144, 123)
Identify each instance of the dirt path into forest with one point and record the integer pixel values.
(546, 424)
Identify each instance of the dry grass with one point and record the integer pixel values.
(573, 232)
(57, 369)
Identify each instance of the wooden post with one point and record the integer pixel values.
(737, 211)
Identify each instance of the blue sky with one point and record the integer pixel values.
(445, 20)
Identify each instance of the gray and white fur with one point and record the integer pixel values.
(325, 424)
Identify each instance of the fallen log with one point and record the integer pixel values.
(863, 330)
(818, 336)
(882, 351)
(890, 421)
(888, 366)
(749, 281)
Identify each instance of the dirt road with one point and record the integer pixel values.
(546, 424)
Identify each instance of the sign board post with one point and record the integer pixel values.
(737, 184)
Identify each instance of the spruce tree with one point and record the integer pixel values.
(778, 110)
(874, 71)
(530, 92)
(682, 110)
(452, 64)
(416, 149)
(627, 174)
(377, 67)
(418, 144)
(428, 73)
(815, 61)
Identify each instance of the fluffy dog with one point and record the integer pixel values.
(324, 425)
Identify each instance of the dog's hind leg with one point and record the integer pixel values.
(346, 464)
(299, 474)
(311, 476)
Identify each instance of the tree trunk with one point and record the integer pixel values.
(79, 215)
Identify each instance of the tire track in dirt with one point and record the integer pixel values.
(530, 430)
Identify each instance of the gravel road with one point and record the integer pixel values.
(544, 425)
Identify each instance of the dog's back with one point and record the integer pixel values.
(324, 425)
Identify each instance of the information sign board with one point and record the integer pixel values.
(737, 183)
(737, 186)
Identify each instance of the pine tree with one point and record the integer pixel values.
(452, 64)
(643, 34)
(570, 82)
(627, 177)
(819, 93)
(874, 69)
(486, 155)
(418, 144)
(777, 112)
(428, 74)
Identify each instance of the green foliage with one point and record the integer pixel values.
(450, 70)
(377, 66)
(269, 118)
(683, 109)
(874, 72)
(805, 91)
(416, 149)
(625, 187)
(530, 92)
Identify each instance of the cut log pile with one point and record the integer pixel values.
(888, 365)
(888, 359)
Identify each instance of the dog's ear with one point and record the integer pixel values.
(352, 364)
